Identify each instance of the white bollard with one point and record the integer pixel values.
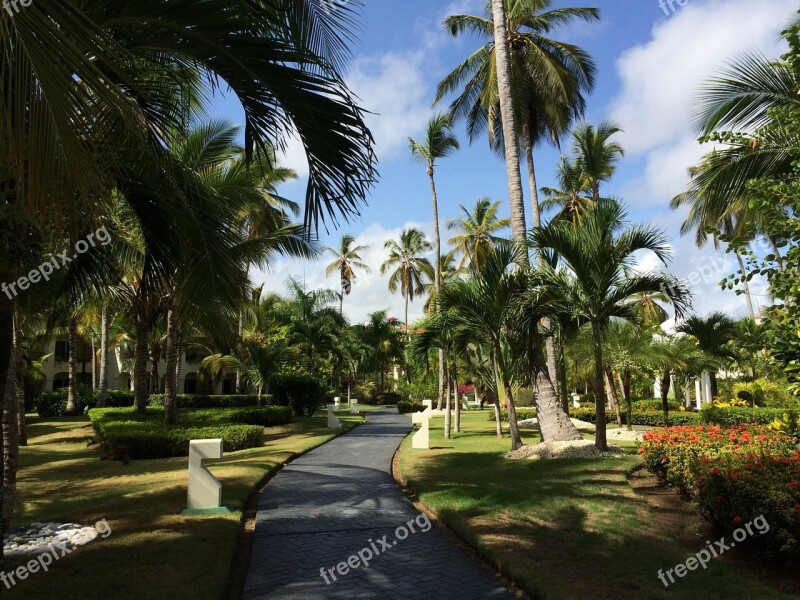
(205, 491)
(337, 402)
(333, 422)
(354, 407)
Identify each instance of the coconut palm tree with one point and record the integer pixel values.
(596, 155)
(411, 268)
(572, 198)
(346, 260)
(593, 281)
(477, 231)
(282, 61)
(439, 142)
(713, 333)
(547, 78)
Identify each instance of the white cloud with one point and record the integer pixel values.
(395, 87)
(370, 290)
(660, 79)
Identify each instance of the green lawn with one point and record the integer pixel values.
(567, 528)
(153, 551)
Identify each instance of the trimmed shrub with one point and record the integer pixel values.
(388, 399)
(404, 407)
(305, 394)
(739, 416)
(643, 418)
(54, 403)
(147, 436)
(651, 404)
(194, 401)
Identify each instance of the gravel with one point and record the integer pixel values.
(39, 538)
(548, 450)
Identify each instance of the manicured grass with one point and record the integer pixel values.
(153, 551)
(567, 528)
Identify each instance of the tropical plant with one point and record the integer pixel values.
(593, 281)
(346, 260)
(713, 333)
(411, 268)
(477, 230)
(439, 142)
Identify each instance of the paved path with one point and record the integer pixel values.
(339, 500)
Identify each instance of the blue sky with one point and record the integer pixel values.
(650, 64)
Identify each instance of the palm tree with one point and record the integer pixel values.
(439, 143)
(481, 308)
(282, 61)
(596, 155)
(346, 260)
(547, 79)
(594, 282)
(571, 197)
(476, 237)
(713, 334)
(411, 268)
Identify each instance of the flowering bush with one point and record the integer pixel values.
(733, 475)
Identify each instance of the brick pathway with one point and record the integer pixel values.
(339, 500)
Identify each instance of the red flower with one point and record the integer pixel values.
(737, 520)
(716, 472)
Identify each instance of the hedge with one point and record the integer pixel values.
(644, 418)
(405, 407)
(147, 436)
(740, 416)
(210, 401)
(54, 403)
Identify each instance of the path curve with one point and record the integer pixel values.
(340, 500)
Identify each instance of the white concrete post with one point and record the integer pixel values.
(205, 491)
(422, 439)
(353, 406)
(707, 388)
(333, 422)
(698, 394)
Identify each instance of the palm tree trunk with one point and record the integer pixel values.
(94, 364)
(238, 343)
(10, 434)
(102, 386)
(408, 338)
(513, 427)
(72, 391)
(562, 378)
(537, 214)
(140, 365)
(625, 384)
(171, 381)
(599, 392)
(10, 443)
(515, 196)
(665, 384)
(155, 357)
(496, 397)
(457, 399)
(21, 425)
(746, 285)
(437, 273)
(447, 408)
(612, 395)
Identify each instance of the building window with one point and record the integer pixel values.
(62, 351)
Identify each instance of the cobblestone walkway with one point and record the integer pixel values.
(340, 500)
